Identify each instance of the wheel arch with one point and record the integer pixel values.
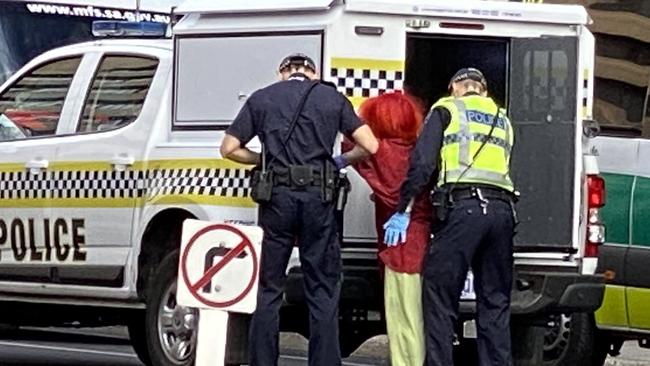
(161, 236)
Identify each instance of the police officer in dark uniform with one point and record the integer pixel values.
(469, 139)
(300, 209)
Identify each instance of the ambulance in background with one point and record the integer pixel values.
(91, 212)
(623, 157)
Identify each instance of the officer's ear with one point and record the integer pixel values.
(284, 74)
(484, 92)
(312, 75)
(457, 89)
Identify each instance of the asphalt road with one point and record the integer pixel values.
(44, 347)
(631, 355)
(57, 347)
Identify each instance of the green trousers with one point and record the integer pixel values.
(403, 302)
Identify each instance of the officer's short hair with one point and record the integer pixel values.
(468, 73)
(297, 60)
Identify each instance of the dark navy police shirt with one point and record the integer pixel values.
(269, 111)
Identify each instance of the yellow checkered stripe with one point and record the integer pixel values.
(359, 79)
(93, 184)
(585, 93)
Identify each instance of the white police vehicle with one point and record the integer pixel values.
(111, 145)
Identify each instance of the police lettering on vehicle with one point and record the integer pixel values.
(61, 239)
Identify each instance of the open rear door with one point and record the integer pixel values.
(543, 78)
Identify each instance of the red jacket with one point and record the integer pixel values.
(385, 172)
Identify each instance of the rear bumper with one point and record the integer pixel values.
(558, 293)
(552, 293)
(536, 293)
(362, 287)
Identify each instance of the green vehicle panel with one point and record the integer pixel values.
(627, 249)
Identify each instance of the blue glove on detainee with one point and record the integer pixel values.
(341, 162)
(395, 228)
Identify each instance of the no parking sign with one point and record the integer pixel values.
(219, 265)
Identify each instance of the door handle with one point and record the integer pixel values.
(37, 165)
(121, 162)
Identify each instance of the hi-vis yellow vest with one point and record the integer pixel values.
(471, 121)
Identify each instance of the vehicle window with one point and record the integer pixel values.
(211, 96)
(9, 130)
(32, 106)
(117, 93)
(546, 82)
(542, 108)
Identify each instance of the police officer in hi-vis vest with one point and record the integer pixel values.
(468, 139)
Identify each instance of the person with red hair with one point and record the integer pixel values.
(396, 119)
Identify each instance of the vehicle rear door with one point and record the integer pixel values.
(546, 161)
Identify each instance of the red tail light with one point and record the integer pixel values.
(596, 191)
(591, 250)
(595, 228)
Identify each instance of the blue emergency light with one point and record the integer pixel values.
(112, 28)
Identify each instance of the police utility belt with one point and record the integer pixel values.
(334, 185)
(443, 198)
(481, 193)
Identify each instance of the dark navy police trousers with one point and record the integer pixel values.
(483, 241)
(302, 217)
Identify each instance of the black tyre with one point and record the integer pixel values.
(571, 341)
(136, 327)
(165, 334)
(603, 345)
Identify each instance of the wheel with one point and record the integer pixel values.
(136, 327)
(165, 334)
(571, 341)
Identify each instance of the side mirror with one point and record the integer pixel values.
(590, 128)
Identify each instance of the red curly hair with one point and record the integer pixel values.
(392, 115)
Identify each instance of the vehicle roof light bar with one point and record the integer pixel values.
(111, 28)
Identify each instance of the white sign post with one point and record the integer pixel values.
(218, 273)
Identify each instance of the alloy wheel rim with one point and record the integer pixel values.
(177, 328)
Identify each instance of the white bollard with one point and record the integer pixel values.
(211, 339)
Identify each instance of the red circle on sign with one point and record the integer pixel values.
(195, 292)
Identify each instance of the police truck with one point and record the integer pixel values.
(107, 147)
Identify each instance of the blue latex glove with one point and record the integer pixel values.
(341, 162)
(395, 228)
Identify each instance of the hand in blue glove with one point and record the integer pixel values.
(395, 228)
(341, 162)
